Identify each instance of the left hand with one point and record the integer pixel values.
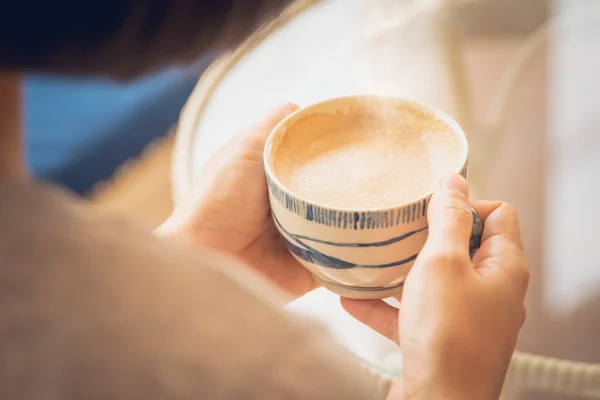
(228, 209)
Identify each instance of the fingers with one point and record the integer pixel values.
(500, 257)
(450, 219)
(484, 208)
(258, 133)
(376, 314)
(503, 221)
(502, 247)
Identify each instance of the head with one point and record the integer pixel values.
(122, 38)
(119, 39)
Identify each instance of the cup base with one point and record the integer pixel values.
(362, 293)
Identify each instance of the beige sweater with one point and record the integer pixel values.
(94, 309)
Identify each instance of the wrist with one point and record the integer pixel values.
(174, 232)
(449, 387)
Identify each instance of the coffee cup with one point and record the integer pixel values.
(353, 244)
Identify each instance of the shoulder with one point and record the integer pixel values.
(52, 240)
(93, 306)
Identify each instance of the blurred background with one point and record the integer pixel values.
(520, 75)
(85, 133)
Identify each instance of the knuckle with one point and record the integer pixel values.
(493, 263)
(456, 205)
(250, 142)
(248, 149)
(509, 209)
(446, 260)
(520, 267)
(518, 275)
(513, 241)
(456, 195)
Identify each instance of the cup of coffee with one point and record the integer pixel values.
(349, 183)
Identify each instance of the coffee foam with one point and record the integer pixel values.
(365, 159)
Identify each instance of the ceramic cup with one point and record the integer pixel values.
(362, 254)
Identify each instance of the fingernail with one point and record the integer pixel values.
(455, 182)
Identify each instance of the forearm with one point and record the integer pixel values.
(122, 38)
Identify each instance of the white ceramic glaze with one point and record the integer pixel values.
(362, 254)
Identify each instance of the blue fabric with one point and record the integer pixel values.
(80, 130)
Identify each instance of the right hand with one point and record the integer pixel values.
(228, 210)
(459, 319)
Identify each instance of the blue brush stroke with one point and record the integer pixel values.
(316, 257)
(373, 244)
(312, 255)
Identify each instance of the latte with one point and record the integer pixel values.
(366, 160)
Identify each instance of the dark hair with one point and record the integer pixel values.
(122, 38)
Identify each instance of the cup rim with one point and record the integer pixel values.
(268, 156)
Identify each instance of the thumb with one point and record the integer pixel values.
(257, 133)
(376, 314)
(450, 218)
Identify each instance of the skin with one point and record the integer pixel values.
(228, 209)
(459, 318)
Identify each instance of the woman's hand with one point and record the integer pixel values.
(459, 319)
(228, 209)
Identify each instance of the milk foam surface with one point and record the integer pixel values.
(362, 161)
